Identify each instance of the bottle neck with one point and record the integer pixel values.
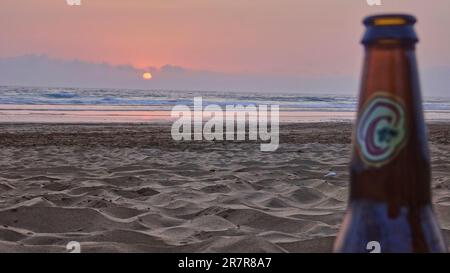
(390, 160)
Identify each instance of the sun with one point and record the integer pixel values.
(147, 76)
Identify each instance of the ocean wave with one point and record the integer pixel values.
(80, 96)
(62, 95)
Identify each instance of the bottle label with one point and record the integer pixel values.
(381, 132)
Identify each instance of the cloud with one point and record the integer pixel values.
(436, 81)
(41, 70)
(172, 69)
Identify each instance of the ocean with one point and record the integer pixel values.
(83, 105)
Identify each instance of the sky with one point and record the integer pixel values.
(249, 45)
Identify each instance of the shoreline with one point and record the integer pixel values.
(149, 134)
(106, 114)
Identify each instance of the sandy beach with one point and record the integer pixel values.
(131, 188)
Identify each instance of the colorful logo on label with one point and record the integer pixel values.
(381, 132)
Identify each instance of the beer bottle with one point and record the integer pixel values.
(390, 192)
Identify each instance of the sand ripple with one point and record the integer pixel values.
(224, 197)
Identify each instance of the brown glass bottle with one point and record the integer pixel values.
(390, 196)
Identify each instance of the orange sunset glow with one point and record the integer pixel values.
(265, 36)
(307, 45)
(147, 76)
